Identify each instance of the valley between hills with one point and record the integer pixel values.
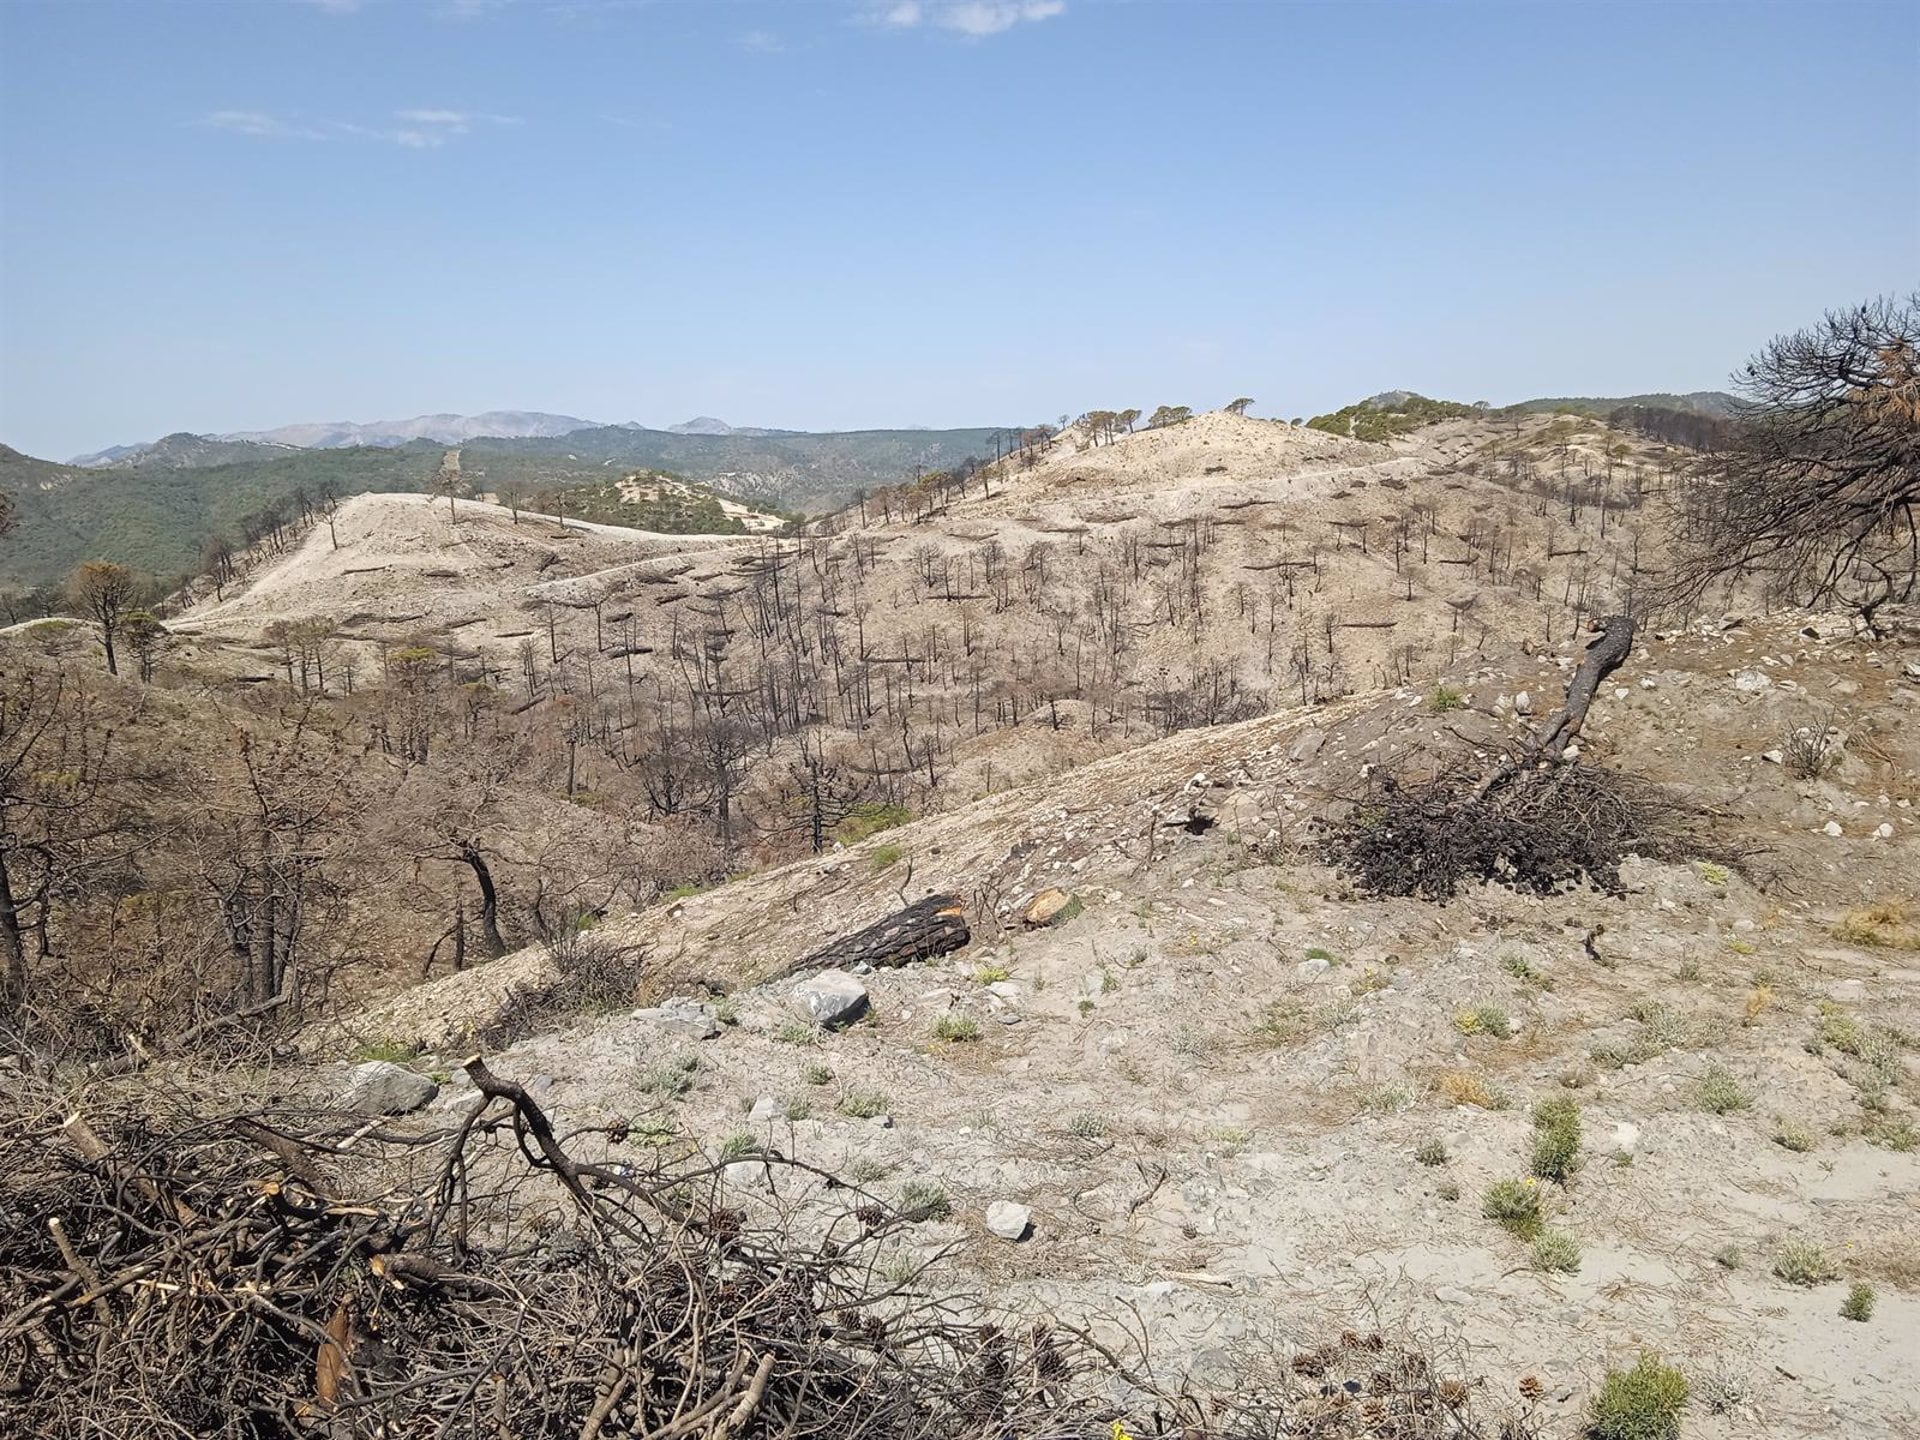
(457, 801)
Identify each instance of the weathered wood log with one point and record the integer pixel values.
(933, 926)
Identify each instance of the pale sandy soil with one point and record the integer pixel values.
(1228, 1183)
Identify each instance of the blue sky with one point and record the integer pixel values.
(832, 215)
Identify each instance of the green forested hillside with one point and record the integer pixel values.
(656, 502)
(1384, 417)
(155, 519)
(795, 472)
(155, 514)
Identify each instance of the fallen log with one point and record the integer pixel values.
(929, 927)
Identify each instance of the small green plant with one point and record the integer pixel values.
(797, 1032)
(870, 819)
(1432, 1152)
(1556, 1138)
(1690, 969)
(1525, 971)
(1443, 698)
(739, 1143)
(394, 1052)
(885, 857)
(1720, 1092)
(1109, 982)
(1514, 1205)
(671, 1079)
(1088, 1125)
(1801, 1262)
(726, 1010)
(799, 1107)
(1898, 1135)
(1447, 1190)
(924, 1200)
(899, 1269)
(1282, 1022)
(814, 1073)
(1485, 1019)
(1792, 1135)
(1557, 1251)
(956, 1029)
(866, 1170)
(991, 974)
(1386, 1100)
(863, 1104)
(1714, 874)
(1728, 1257)
(1644, 1403)
(1859, 1303)
(1320, 952)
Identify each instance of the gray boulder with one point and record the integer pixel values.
(832, 998)
(381, 1087)
(1009, 1220)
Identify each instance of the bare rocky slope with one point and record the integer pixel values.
(1240, 1100)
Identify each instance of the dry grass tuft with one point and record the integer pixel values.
(1463, 1087)
(1884, 926)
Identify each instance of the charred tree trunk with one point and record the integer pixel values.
(1604, 656)
(933, 926)
(489, 898)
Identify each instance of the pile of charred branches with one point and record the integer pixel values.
(306, 1274)
(1538, 821)
(1539, 830)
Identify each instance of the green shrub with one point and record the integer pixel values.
(1556, 1138)
(1556, 1250)
(815, 1073)
(1431, 1152)
(394, 1052)
(870, 819)
(739, 1143)
(924, 1200)
(797, 1032)
(1792, 1135)
(799, 1107)
(1727, 1257)
(991, 974)
(886, 856)
(1486, 1019)
(1515, 1206)
(1644, 1403)
(670, 1079)
(1386, 1100)
(1859, 1303)
(863, 1104)
(1720, 1093)
(956, 1028)
(1088, 1125)
(1801, 1262)
(1443, 698)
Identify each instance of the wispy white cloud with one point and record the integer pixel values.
(415, 129)
(765, 41)
(335, 7)
(260, 125)
(975, 19)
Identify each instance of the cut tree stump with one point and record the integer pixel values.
(933, 926)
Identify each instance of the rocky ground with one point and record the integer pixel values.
(1226, 1096)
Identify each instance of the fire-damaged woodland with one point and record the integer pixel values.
(557, 1222)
